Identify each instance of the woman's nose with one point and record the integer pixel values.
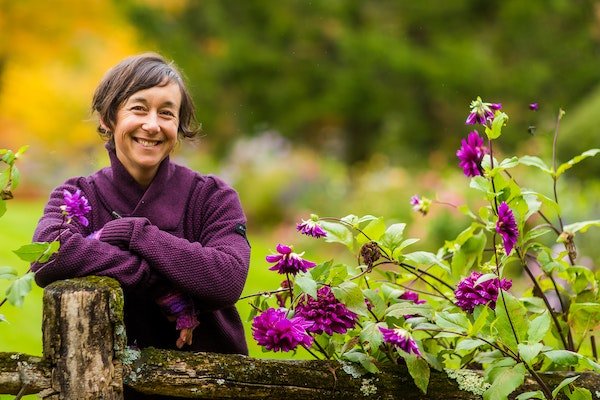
(151, 123)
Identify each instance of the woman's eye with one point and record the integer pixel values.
(168, 113)
(137, 108)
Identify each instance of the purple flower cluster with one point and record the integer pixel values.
(288, 262)
(506, 226)
(471, 154)
(401, 339)
(482, 113)
(326, 313)
(274, 331)
(469, 293)
(311, 228)
(76, 207)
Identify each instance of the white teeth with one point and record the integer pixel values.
(146, 143)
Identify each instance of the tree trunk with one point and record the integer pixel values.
(78, 332)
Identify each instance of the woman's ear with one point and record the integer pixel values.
(103, 127)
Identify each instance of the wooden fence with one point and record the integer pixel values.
(86, 357)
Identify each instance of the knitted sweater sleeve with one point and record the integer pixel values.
(213, 267)
(79, 256)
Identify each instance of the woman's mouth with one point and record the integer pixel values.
(146, 142)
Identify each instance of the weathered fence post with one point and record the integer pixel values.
(82, 328)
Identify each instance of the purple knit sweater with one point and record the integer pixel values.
(185, 232)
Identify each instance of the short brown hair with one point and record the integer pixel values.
(137, 73)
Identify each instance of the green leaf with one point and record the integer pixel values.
(456, 322)
(480, 183)
(3, 318)
(2, 205)
(538, 394)
(15, 177)
(401, 309)
(350, 294)
(306, 284)
(511, 320)
(562, 384)
(575, 160)
(537, 162)
(370, 333)
(19, 288)
(8, 273)
(579, 393)
(481, 319)
(505, 383)
(393, 236)
(419, 370)
(528, 352)
(37, 251)
(21, 150)
(581, 226)
(372, 231)
(469, 344)
(363, 359)
(562, 357)
(538, 327)
(337, 233)
(499, 121)
(426, 259)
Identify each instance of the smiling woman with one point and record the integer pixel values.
(173, 238)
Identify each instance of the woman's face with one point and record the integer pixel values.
(145, 131)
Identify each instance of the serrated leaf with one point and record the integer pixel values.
(480, 183)
(372, 231)
(426, 259)
(456, 322)
(393, 236)
(350, 294)
(19, 288)
(562, 357)
(15, 177)
(499, 121)
(419, 370)
(401, 309)
(469, 344)
(575, 160)
(306, 284)
(538, 327)
(505, 383)
(363, 359)
(579, 393)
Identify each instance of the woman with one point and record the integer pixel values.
(174, 239)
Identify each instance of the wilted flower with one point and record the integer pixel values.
(420, 204)
(273, 330)
(76, 207)
(471, 154)
(401, 339)
(469, 293)
(288, 262)
(481, 112)
(370, 253)
(311, 227)
(506, 226)
(326, 313)
(534, 106)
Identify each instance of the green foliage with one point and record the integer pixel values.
(468, 319)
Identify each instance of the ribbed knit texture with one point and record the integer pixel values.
(178, 234)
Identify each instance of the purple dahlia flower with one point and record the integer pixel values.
(311, 228)
(534, 106)
(469, 293)
(326, 313)
(401, 339)
(471, 154)
(411, 296)
(288, 262)
(274, 331)
(506, 226)
(76, 207)
(482, 113)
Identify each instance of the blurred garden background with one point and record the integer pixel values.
(325, 106)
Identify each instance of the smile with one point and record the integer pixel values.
(147, 143)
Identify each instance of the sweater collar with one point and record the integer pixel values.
(162, 202)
